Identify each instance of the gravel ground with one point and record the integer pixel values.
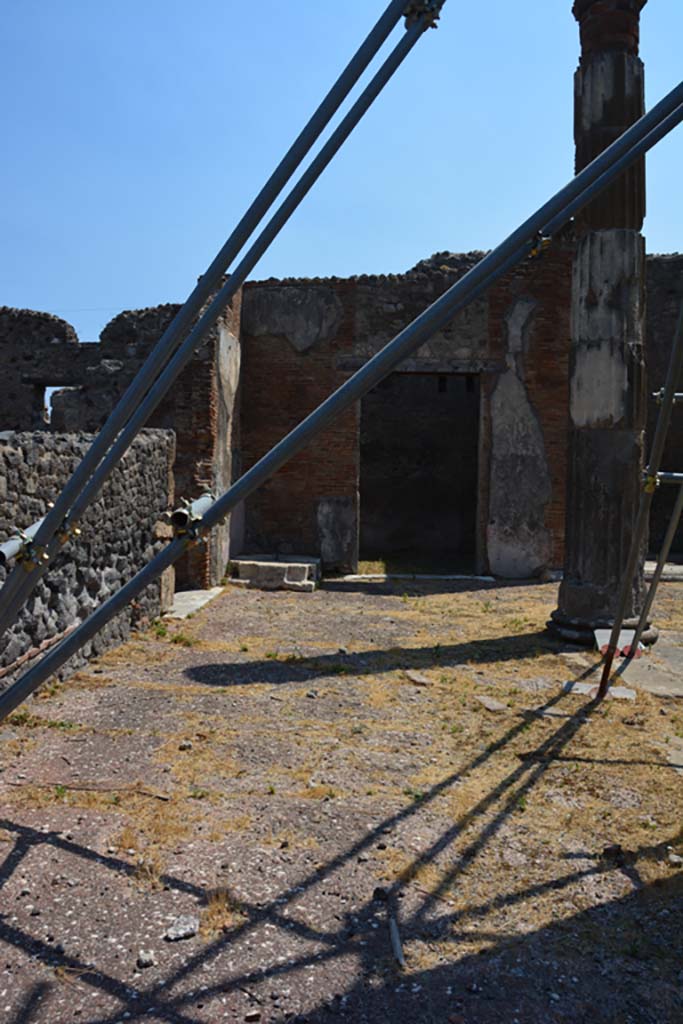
(311, 788)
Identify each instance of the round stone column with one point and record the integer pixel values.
(607, 379)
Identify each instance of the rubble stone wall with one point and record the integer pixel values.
(120, 533)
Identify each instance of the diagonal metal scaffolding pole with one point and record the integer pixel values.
(650, 480)
(661, 562)
(138, 402)
(593, 179)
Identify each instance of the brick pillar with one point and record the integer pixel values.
(606, 375)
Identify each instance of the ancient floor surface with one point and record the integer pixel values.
(310, 778)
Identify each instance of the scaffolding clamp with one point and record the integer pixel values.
(650, 482)
(68, 532)
(430, 10)
(541, 244)
(659, 396)
(186, 520)
(20, 547)
(31, 557)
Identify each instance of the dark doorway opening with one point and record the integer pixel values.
(419, 441)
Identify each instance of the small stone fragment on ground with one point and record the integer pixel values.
(591, 690)
(491, 704)
(675, 753)
(185, 745)
(184, 927)
(146, 959)
(417, 679)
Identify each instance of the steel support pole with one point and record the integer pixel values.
(15, 590)
(581, 190)
(649, 486)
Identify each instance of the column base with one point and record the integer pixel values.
(580, 632)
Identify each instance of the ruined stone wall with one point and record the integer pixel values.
(42, 351)
(120, 533)
(301, 339)
(38, 351)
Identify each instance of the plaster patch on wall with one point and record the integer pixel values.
(519, 544)
(597, 90)
(599, 386)
(599, 87)
(228, 365)
(607, 315)
(518, 321)
(304, 316)
(608, 274)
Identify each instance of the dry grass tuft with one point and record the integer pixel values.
(222, 912)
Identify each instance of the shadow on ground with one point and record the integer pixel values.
(616, 963)
(296, 669)
(416, 588)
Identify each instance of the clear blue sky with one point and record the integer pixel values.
(137, 131)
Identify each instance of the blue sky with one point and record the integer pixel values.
(137, 132)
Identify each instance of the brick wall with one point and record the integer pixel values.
(280, 386)
(302, 339)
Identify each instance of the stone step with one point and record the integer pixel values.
(276, 572)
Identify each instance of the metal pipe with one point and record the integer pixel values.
(651, 478)
(191, 512)
(670, 478)
(15, 591)
(661, 562)
(554, 211)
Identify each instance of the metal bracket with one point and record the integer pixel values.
(428, 9)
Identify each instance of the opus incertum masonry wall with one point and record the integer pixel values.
(119, 534)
